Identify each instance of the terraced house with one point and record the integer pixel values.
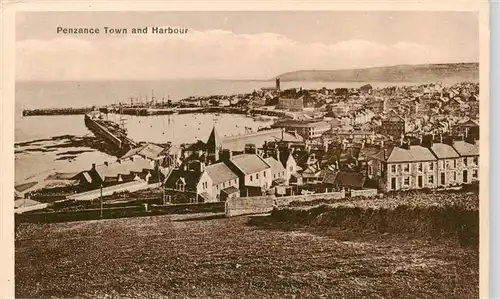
(468, 163)
(404, 168)
(448, 164)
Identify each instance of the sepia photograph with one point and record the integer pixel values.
(247, 154)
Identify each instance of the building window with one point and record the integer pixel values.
(454, 163)
(406, 182)
(454, 176)
(430, 180)
(224, 185)
(264, 174)
(251, 178)
(431, 165)
(420, 166)
(475, 161)
(393, 168)
(474, 173)
(406, 167)
(257, 176)
(274, 176)
(217, 187)
(180, 186)
(465, 161)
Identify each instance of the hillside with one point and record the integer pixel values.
(398, 73)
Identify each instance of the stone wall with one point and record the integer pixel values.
(265, 204)
(364, 192)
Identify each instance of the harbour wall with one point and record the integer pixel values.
(102, 132)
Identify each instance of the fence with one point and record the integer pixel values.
(265, 204)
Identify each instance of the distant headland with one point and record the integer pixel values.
(397, 73)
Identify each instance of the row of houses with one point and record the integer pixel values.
(425, 166)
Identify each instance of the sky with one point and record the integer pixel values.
(237, 45)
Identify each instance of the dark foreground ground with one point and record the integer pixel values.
(176, 257)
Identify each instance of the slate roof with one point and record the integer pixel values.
(444, 151)
(276, 167)
(283, 157)
(125, 167)
(249, 163)
(230, 190)
(329, 176)
(465, 148)
(191, 178)
(150, 151)
(220, 173)
(198, 146)
(416, 153)
(350, 179)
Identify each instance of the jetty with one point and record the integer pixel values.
(56, 111)
(111, 133)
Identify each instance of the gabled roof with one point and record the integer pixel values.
(220, 173)
(415, 153)
(443, 151)
(124, 167)
(249, 163)
(191, 178)
(276, 167)
(465, 148)
(198, 146)
(283, 157)
(150, 151)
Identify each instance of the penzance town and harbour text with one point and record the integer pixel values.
(121, 31)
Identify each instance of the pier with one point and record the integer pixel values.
(111, 133)
(56, 111)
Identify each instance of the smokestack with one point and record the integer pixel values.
(278, 84)
(385, 154)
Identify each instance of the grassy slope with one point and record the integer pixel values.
(405, 73)
(226, 258)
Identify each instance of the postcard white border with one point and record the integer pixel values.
(7, 62)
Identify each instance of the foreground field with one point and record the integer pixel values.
(213, 257)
